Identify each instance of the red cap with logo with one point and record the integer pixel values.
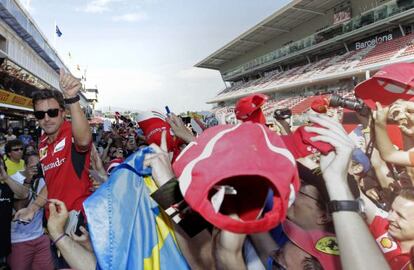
(392, 82)
(320, 105)
(249, 108)
(320, 244)
(247, 160)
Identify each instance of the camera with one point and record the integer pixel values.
(351, 104)
(282, 114)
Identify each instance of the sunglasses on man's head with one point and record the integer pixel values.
(51, 113)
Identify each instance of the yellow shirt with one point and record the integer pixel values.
(13, 167)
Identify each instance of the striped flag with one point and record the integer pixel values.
(127, 228)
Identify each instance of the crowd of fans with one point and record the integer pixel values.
(158, 193)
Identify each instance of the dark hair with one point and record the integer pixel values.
(28, 155)
(10, 144)
(26, 152)
(322, 204)
(311, 264)
(48, 94)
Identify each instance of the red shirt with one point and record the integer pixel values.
(389, 246)
(66, 169)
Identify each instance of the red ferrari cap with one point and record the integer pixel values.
(152, 124)
(300, 144)
(320, 105)
(392, 82)
(319, 244)
(247, 159)
(249, 108)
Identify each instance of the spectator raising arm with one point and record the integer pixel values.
(351, 229)
(383, 142)
(80, 127)
(179, 128)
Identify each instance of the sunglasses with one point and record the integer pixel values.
(51, 113)
(17, 149)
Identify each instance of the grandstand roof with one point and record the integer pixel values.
(282, 21)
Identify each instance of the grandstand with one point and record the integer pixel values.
(312, 47)
(28, 63)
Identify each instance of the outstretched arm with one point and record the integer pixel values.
(383, 142)
(80, 127)
(351, 229)
(20, 191)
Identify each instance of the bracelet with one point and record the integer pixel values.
(58, 239)
(72, 100)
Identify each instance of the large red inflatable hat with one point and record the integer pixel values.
(152, 124)
(392, 82)
(249, 108)
(247, 159)
(322, 245)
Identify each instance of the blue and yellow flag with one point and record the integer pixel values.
(127, 228)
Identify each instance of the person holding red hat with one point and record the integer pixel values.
(350, 228)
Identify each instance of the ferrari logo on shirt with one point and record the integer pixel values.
(328, 245)
(386, 243)
(42, 153)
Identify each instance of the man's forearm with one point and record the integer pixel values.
(381, 169)
(368, 254)
(76, 255)
(20, 191)
(40, 200)
(80, 126)
(383, 142)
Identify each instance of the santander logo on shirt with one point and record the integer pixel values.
(57, 163)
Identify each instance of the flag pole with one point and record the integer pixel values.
(54, 36)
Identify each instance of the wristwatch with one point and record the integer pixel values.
(72, 100)
(351, 206)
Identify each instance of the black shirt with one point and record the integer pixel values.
(6, 207)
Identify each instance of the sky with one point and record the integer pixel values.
(141, 53)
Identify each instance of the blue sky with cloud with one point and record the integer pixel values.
(141, 53)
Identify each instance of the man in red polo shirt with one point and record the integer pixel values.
(394, 230)
(64, 148)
